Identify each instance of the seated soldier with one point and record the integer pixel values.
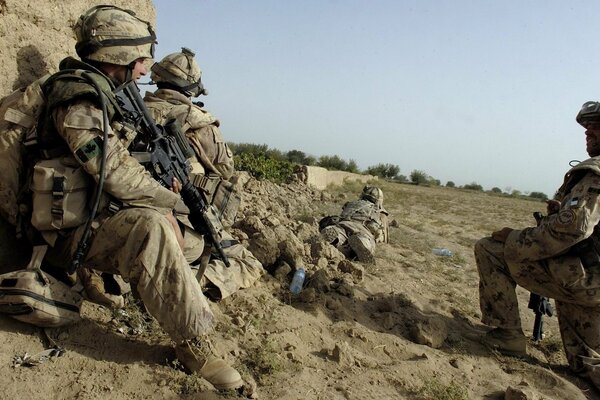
(362, 223)
(177, 77)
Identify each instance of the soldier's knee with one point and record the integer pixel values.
(482, 246)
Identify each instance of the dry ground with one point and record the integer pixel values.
(348, 338)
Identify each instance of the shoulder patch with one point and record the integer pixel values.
(90, 150)
(566, 217)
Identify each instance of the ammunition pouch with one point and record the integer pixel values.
(220, 193)
(60, 189)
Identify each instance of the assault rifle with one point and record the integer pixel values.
(540, 305)
(165, 154)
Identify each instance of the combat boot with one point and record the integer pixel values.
(511, 342)
(197, 356)
(359, 247)
(95, 291)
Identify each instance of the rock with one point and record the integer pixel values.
(251, 225)
(308, 295)
(322, 263)
(345, 289)
(356, 270)
(431, 332)
(326, 196)
(519, 393)
(264, 247)
(394, 223)
(342, 354)
(320, 281)
(282, 271)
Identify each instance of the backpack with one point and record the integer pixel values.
(32, 296)
(19, 114)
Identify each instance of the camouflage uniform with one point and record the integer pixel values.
(213, 164)
(361, 225)
(543, 260)
(134, 234)
(136, 242)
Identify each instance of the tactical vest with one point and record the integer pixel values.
(62, 88)
(360, 210)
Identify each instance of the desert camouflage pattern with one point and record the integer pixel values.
(109, 23)
(213, 157)
(541, 260)
(181, 65)
(137, 242)
(243, 271)
(362, 219)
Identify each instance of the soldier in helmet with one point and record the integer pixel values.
(135, 233)
(362, 223)
(177, 77)
(559, 259)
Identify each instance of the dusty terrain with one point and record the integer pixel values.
(353, 333)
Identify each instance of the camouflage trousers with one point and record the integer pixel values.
(339, 233)
(244, 269)
(577, 306)
(139, 244)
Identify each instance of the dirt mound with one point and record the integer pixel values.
(406, 327)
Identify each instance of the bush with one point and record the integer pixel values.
(450, 184)
(538, 195)
(386, 171)
(473, 186)
(496, 190)
(299, 157)
(419, 177)
(337, 164)
(263, 167)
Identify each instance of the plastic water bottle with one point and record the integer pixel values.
(442, 252)
(297, 281)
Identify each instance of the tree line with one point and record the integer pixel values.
(266, 163)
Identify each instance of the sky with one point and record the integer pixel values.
(467, 91)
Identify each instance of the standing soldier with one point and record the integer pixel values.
(177, 77)
(559, 258)
(134, 232)
(363, 223)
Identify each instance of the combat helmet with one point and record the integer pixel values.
(179, 71)
(372, 194)
(113, 35)
(590, 112)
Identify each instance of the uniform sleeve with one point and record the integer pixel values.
(80, 125)
(212, 152)
(575, 221)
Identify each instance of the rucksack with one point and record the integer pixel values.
(32, 296)
(19, 114)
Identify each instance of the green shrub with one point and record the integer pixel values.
(496, 190)
(419, 177)
(450, 184)
(263, 167)
(473, 186)
(386, 171)
(538, 195)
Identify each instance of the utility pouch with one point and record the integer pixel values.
(220, 193)
(34, 297)
(60, 190)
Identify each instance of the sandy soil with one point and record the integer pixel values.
(353, 333)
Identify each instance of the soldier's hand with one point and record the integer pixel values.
(501, 235)
(552, 206)
(176, 185)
